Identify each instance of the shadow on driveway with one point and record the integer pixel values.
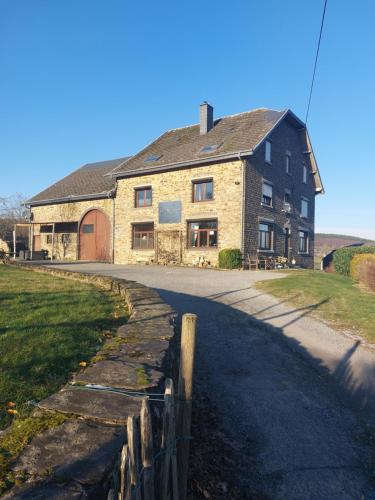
(291, 430)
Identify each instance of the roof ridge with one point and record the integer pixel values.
(229, 116)
(122, 158)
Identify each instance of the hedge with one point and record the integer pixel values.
(343, 256)
(230, 258)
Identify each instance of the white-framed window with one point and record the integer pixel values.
(304, 175)
(267, 198)
(304, 208)
(265, 236)
(303, 241)
(267, 152)
(287, 162)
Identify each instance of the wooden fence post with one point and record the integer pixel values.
(125, 479)
(169, 444)
(185, 394)
(147, 451)
(133, 443)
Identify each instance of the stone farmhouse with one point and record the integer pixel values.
(244, 181)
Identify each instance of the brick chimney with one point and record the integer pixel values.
(206, 117)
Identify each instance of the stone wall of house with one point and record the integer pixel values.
(178, 186)
(66, 212)
(285, 138)
(4, 247)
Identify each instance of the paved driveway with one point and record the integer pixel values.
(296, 398)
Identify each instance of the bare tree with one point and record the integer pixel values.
(12, 211)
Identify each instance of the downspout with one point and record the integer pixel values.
(243, 201)
(31, 241)
(113, 223)
(53, 240)
(14, 241)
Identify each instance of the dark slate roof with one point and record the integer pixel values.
(89, 181)
(231, 134)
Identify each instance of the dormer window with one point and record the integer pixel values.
(268, 152)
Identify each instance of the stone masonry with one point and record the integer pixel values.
(284, 138)
(76, 459)
(177, 185)
(66, 212)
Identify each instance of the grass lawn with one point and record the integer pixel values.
(346, 306)
(48, 325)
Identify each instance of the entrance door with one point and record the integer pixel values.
(94, 237)
(287, 236)
(36, 243)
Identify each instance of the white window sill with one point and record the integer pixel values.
(265, 251)
(265, 205)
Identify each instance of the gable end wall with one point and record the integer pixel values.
(284, 137)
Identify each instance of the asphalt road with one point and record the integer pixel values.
(294, 396)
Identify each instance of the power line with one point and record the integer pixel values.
(316, 60)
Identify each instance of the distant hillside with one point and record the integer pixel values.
(325, 243)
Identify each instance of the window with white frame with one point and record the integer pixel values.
(268, 152)
(304, 175)
(287, 162)
(303, 241)
(267, 194)
(265, 236)
(304, 208)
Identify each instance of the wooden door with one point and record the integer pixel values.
(36, 243)
(94, 237)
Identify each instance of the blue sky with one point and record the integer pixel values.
(87, 80)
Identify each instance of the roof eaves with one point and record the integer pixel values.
(64, 199)
(319, 188)
(182, 164)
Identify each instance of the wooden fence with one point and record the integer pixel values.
(146, 473)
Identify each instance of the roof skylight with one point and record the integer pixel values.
(151, 158)
(210, 148)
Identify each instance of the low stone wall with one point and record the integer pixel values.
(76, 459)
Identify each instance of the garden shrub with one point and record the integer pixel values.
(343, 256)
(362, 269)
(230, 258)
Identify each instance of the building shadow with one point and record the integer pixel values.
(254, 373)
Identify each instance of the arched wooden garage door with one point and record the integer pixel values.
(94, 237)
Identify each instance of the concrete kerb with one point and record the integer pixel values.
(138, 359)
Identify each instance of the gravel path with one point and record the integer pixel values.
(294, 397)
